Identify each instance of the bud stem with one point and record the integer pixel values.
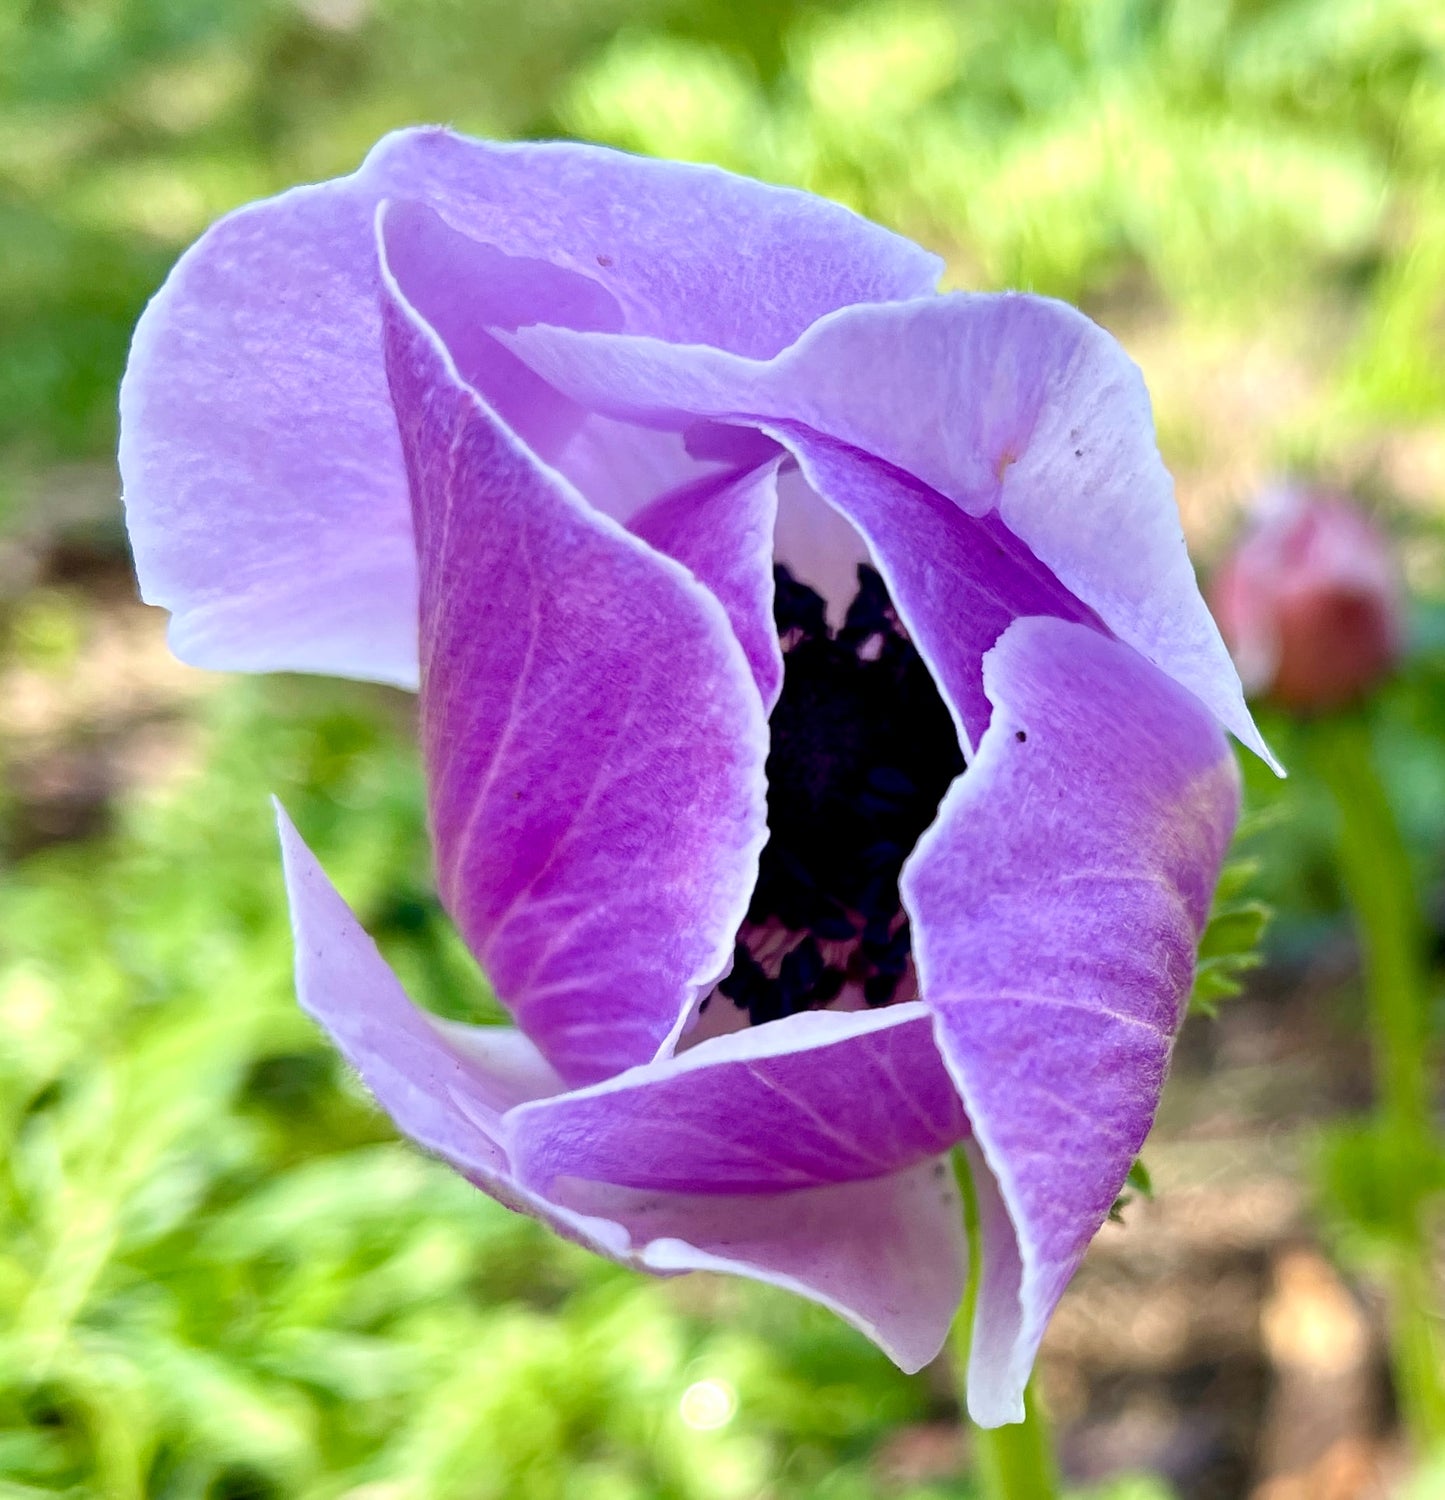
(1375, 868)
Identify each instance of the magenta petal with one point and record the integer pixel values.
(265, 492)
(811, 1099)
(1056, 949)
(721, 529)
(1011, 405)
(592, 733)
(886, 1254)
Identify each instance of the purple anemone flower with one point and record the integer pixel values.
(719, 544)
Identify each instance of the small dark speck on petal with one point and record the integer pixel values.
(605, 261)
(1021, 735)
(1078, 452)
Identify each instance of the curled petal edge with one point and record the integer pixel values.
(592, 705)
(1056, 952)
(887, 1254)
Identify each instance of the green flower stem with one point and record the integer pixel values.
(1014, 1462)
(1381, 888)
(1018, 1461)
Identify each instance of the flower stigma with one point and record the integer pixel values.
(863, 750)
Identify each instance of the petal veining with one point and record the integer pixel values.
(593, 736)
(1005, 403)
(887, 1254)
(265, 491)
(1056, 906)
(819, 1097)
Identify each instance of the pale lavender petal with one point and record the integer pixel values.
(814, 1098)
(621, 468)
(692, 254)
(1056, 906)
(593, 736)
(265, 491)
(818, 545)
(886, 1254)
(1013, 405)
(721, 529)
(443, 1099)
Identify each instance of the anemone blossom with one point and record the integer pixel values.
(718, 543)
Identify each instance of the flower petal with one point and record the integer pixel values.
(467, 291)
(957, 581)
(818, 545)
(593, 736)
(1056, 948)
(265, 491)
(886, 1254)
(446, 1100)
(814, 1098)
(721, 529)
(693, 254)
(1011, 405)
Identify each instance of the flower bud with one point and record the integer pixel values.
(1310, 601)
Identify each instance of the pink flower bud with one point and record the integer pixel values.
(1310, 601)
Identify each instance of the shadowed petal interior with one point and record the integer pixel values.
(1004, 403)
(956, 580)
(721, 529)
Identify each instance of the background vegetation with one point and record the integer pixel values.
(219, 1275)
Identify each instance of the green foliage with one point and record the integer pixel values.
(1230, 947)
(1066, 146)
(1228, 158)
(1370, 1176)
(220, 1274)
(1138, 1184)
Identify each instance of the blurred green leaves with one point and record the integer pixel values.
(1230, 947)
(1059, 147)
(221, 1276)
(1218, 157)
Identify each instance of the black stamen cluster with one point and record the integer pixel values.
(863, 750)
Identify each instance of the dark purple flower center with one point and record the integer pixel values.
(863, 750)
